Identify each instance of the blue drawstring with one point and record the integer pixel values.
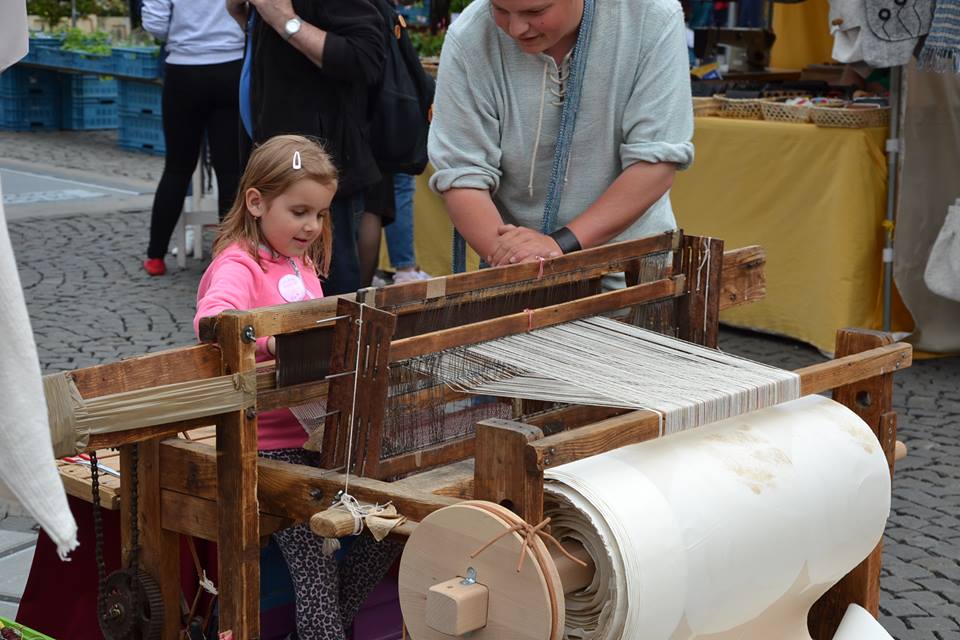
(561, 155)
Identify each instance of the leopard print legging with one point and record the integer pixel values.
(328, 594)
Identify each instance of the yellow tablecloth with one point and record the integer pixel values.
(814, 198)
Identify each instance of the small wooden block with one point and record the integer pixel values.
(455, 608)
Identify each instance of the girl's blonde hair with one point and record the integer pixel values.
(271, 171)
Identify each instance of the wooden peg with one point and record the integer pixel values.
(333, 523)
(457, 606)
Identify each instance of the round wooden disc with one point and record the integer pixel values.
(521, 606)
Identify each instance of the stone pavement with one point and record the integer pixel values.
(90, 303)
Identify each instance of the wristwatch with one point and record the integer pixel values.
(291, 27)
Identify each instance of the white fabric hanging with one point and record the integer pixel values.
(942, 274)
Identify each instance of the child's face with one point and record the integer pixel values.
(293, 220)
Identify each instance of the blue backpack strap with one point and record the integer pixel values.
(246, 109)
(568, 119)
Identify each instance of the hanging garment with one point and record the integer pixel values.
(942, 274)
(941, 51)
(882, 33)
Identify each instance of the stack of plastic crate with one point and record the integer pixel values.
(89, 102)
(141, 122)
(29, 100)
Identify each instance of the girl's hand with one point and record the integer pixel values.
(519, 244)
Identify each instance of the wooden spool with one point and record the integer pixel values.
(521, 606)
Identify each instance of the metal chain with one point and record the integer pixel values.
(134, 527)
(98, 534)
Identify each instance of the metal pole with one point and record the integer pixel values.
(73, 13)
(893, 159)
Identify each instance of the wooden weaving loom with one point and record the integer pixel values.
(230, 496)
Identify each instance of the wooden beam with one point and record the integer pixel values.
(197, 517)
(504, 473)
(287, 490)
(872, 400)
(535, 319)
(454, 480)
(151, 370)
(743, 279)
(161, 546)
(238, 530)
(847, 369)
(441, 454)
(700, 259)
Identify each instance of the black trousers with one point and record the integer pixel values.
(197, 99)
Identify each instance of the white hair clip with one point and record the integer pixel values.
(296, 161)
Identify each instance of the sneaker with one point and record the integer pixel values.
(188, 250)
(410, 275)
(155, 266)
(379, 281)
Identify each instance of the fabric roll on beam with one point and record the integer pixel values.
(731, 531)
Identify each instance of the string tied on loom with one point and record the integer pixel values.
(540, 272)
(529, 313)
(529, 533)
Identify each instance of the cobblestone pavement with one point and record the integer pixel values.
(90, 303)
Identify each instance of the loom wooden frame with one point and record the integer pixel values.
(235, 498)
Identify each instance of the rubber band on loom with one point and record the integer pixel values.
(529, 533)
(529, 313)
(540, 273)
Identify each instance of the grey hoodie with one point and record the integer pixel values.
(497, 111)
(196, 31)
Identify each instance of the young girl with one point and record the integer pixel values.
(269, 250)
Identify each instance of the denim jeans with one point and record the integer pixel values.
(344, 264)
(400, 232)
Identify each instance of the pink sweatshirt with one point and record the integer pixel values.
(234, 280)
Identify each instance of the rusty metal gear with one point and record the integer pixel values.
(132, 607)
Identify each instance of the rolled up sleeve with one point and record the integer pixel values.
(464, 141)
(658, 119)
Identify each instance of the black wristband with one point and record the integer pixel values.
(566, 240)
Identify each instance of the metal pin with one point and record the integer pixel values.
(471, 577)
(339, 375)
(334, 318)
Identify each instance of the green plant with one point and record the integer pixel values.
(427, 44)
(97, 42)
(52, 11)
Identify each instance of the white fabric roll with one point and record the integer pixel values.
(729, 531)
(858, 624)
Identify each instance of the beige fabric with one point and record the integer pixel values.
(14, 40)
(383, 522)
(69, 412)
(928, 186)
(62, 396)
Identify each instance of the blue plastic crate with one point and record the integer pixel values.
(137, 62)
(39, 41)
(141, 132)
(86, 86)
(89, 113)
(418, 15)
(30, 113)
(140, 97)
(18, 81)
(55, 57)
(90, 62)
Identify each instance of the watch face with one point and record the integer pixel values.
(292, 26)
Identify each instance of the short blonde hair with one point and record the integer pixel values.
(270, 171)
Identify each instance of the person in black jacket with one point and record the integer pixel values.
(311, 66)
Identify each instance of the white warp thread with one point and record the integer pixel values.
(603, 362)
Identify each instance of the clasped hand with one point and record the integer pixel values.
(520, 244)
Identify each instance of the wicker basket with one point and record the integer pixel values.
(851, 117)
(744, 109)
(777, 110)
(706, 107)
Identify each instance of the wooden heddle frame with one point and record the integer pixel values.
(230, 496)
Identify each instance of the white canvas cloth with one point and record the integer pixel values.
(28, 472)
(942, 274)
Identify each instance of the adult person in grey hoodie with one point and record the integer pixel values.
(506, 70)
(204, 56)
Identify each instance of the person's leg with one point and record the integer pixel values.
(344, 274)
(183, 132)
(366, 564)
(400, 233)
(368, 246)
(223, 132)
(315, 576)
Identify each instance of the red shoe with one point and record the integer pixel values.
(155, 266)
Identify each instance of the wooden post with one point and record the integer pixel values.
(698, 312)
(238, 523)
(505, 470)
(160, 556)
(872, 400)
